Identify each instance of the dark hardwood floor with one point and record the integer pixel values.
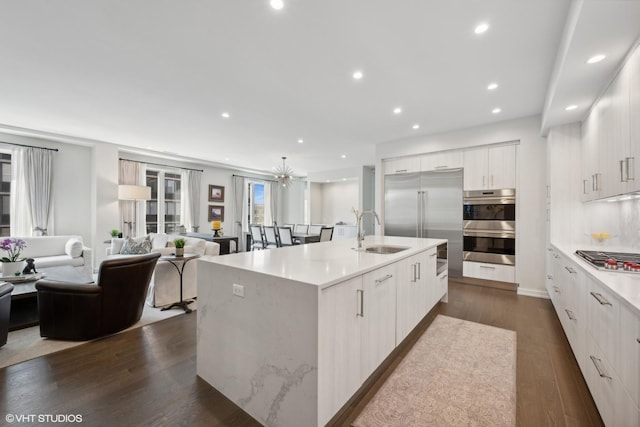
(147, 376)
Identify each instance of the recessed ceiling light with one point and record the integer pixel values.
(571, 107)
(481, 28)
(357, 75)
(225, 115)
(344, 156)
(397, 110)
(496, 110)
(416, 126)
(492, 86)
(595, 58)
(277, 4)
(300, 141)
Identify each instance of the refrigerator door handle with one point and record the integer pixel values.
(418, 215)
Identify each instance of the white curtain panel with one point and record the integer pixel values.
(240, 209)
(31, 198)
(190, 202)
(268, 204)
(129, 175)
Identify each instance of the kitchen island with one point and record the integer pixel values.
(290, 334)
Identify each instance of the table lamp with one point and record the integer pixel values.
(216, 226)
(133, 193)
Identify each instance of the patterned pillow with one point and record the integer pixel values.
(141, 245)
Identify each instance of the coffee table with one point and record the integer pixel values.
(24, 298)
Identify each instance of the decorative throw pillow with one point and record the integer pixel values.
(116, 245)
(73, 248)
(141, 245)
(159, 241)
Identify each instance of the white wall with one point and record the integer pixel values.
(531, 181)
(338, 200)
(315, 203)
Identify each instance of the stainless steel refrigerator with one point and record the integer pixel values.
(426, 204)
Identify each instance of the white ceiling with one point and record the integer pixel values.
(157, 75)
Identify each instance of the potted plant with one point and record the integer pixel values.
(179, 244)
(115, 233)
(12, 264)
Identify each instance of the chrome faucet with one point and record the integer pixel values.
(359, 228)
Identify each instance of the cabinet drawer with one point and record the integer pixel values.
(603, 311)
(481, 270)
(402, 165)
(441, 161)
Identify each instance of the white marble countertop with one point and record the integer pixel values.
(326, 263)
(625, 285)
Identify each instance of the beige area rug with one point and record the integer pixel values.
(458, 373)
(26, 344)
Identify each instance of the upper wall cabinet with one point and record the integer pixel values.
(490, 168)
(402, 165)
(441, 161)
(611, 137)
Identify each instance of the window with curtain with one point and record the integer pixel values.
(163, 209)
(5, 194)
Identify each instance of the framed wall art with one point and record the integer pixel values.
(216, 213)
(216, 193)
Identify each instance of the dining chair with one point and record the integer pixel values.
(326, 233)
(286, 238)
(270, 237)
(315, 229)
(257, 239)
(301, 229)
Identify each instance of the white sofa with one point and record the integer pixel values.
(53, 251)
(164, 288)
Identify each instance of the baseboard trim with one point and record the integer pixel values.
(533, 293)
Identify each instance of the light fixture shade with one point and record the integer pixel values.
(134, 192)
(284, 174)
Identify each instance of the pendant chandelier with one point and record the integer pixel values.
(284, 173)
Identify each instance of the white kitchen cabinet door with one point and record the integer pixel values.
(476, 164)
(601, 381)
(633, 162)
(443, 287)
(607, 170)
(441, 161)
(589, 153)
(614, 180)
(402, 165)
(574, 312)
(406, 292)
(428, 275)
(630, 352)
(339, 346)
(603, 311)
(378, 311)
(502, 167)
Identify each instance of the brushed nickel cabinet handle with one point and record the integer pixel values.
(385, 278)
(596, 363)
(446, 275)
(441, 167)
(483, 181)
(557, 289)
(550, 249)
(602, 300)
(569, 314)
(489, 267)
(400, 170)
(419, 270)
(414, 276)
(598, 175)
(622, 171)
(550, 277)
(361, 293)
(630, 169)
(570, 270)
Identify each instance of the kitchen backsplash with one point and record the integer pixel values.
(620, 219)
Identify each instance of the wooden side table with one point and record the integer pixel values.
(179, 262)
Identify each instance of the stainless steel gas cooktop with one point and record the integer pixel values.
(612, 261)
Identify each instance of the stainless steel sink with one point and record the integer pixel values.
(384, 249)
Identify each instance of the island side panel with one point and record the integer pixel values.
(260, 350)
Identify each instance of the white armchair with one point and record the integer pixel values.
(164, 288)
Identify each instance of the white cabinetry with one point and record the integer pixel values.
(482, 270)
(441, 161)
(611, 137)
(630, 352)
(402, 165)
(411, 295)
(378, 312)
(490, 168)
(339, 339)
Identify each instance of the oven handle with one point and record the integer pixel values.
(490, 233)
(490, 201)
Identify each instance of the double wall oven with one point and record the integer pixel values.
(489, 226)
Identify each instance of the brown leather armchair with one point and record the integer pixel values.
(81, 312)
(5, 311)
